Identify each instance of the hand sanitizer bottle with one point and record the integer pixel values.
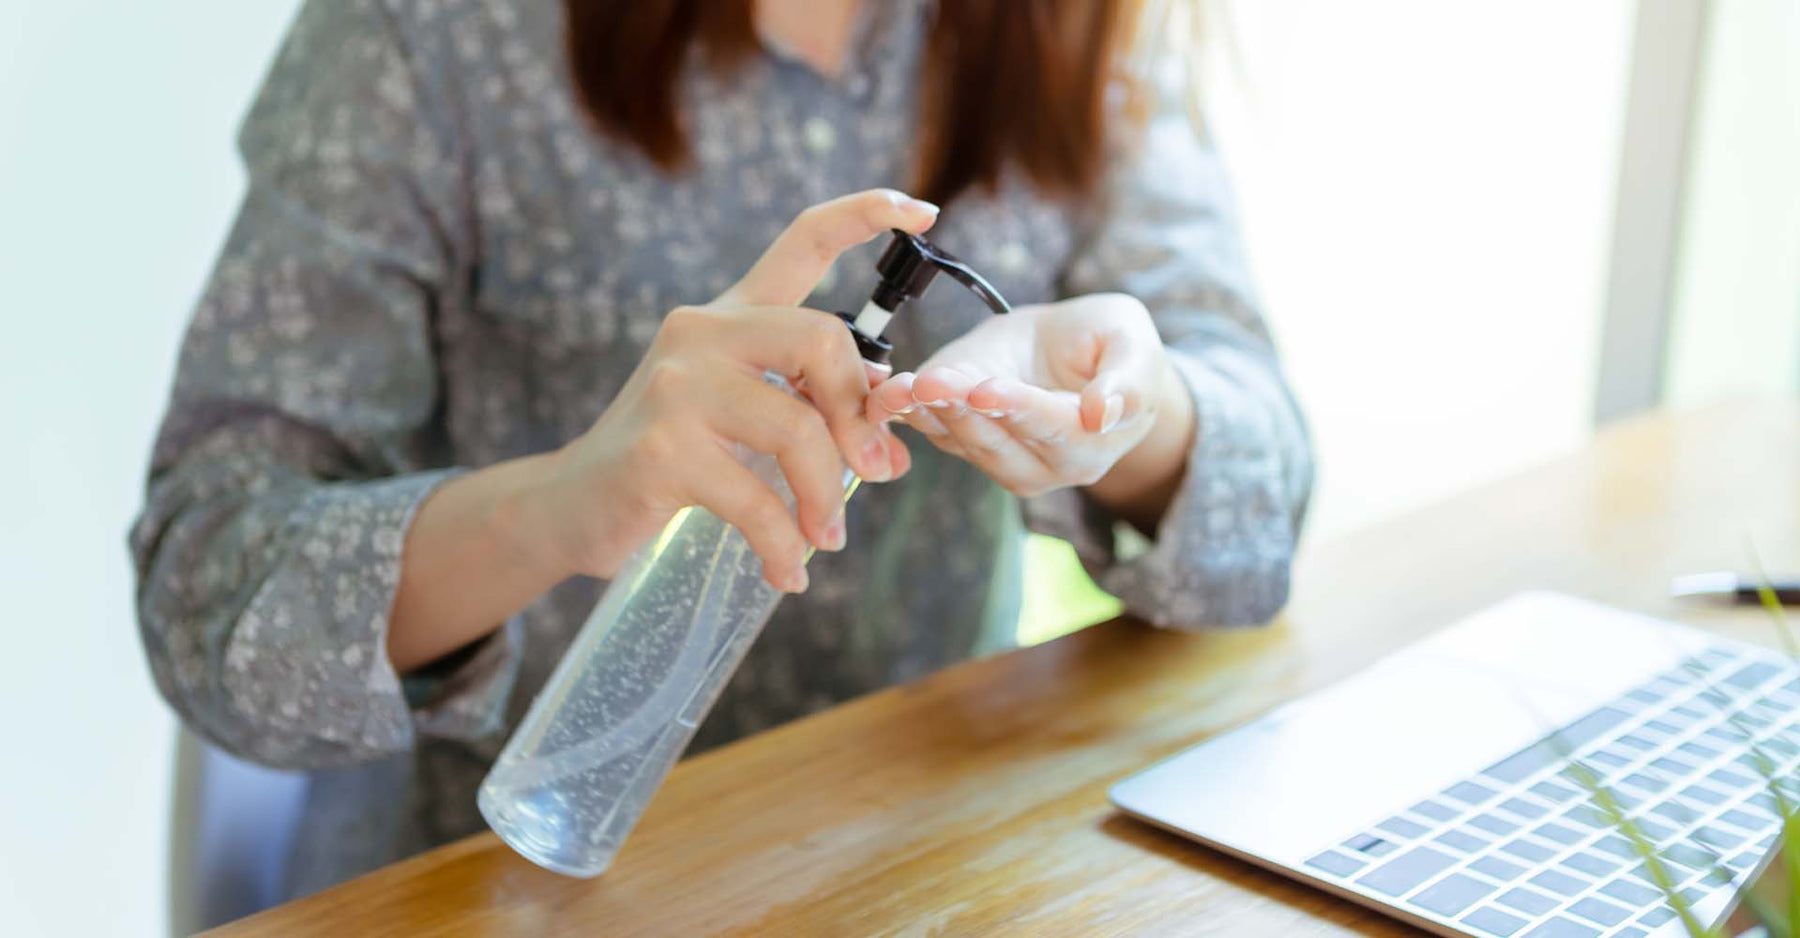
(654, 655)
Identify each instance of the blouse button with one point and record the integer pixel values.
(820, 136)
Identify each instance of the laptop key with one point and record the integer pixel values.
(1715, 837)
(1702, 794)
(1726, 734)
(1656, 916)
(1398, 876)
(1590, 864)
(1494, 922)
(1403, 827)
(1627, 799)
(1536, 853)
(1599, 910)
(1470, 793)
(1503, 870)
(1617, 846)
(1524, 809)
(1558, 882)
(1492, 824)
(1610, 759)
(1740, 818)
(1687, 856)
(1671, 766)
(1752, 675)
(1764, 802)
(1527, 901)
(1697, 750)
(1676, 811)
(1336, 863)
(1590, 816)
(1745, 860)
(1460, 840)
(1553, 791)
(1651, 829)
(1558, 833)
(1633, 894)
(1452, 894)
(1371, 844)
(1435, 810)
(1560, 927)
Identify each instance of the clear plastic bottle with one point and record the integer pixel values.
(643, 672)
(654, 655)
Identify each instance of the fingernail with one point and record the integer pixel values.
(923, 206)
(798, 581)
(937, 405)
(904, 410)
(876, 458)
(994, 414)
(1115, 408)
(834, 535)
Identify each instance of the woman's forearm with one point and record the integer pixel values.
(467, 565)
(1143, 482)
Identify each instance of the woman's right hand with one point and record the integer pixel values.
(666, 441)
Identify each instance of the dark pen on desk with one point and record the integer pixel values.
(1733, 587)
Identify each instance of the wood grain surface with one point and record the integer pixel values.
(974, 801)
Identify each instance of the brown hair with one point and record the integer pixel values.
(1019, 82)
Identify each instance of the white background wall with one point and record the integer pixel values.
(1428, 188)
(1429, 193)
(117, 179)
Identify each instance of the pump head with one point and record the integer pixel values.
(907, 267)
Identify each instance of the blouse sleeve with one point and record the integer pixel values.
(302, 431)
(1167, 234)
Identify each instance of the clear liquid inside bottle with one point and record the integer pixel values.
(667, 636)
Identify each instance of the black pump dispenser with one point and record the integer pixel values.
(907, 267)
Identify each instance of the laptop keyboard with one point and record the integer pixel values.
(1521, 849)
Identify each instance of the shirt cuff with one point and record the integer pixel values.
(1223, 551)
(308, 659)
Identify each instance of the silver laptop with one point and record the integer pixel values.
(1455, 785)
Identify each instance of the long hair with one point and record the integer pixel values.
(1020, 83)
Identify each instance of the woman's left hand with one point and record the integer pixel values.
(1078, 392)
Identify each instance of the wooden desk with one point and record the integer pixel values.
(974, 801)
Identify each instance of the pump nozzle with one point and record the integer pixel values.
(910, 262)
(907, 268)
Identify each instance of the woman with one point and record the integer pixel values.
(458, 359)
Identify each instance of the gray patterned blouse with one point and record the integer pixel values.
(437, 267)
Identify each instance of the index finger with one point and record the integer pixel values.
(798, 259)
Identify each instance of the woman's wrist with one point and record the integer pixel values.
(522, 513)
(1141, 484)
(470, 561)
